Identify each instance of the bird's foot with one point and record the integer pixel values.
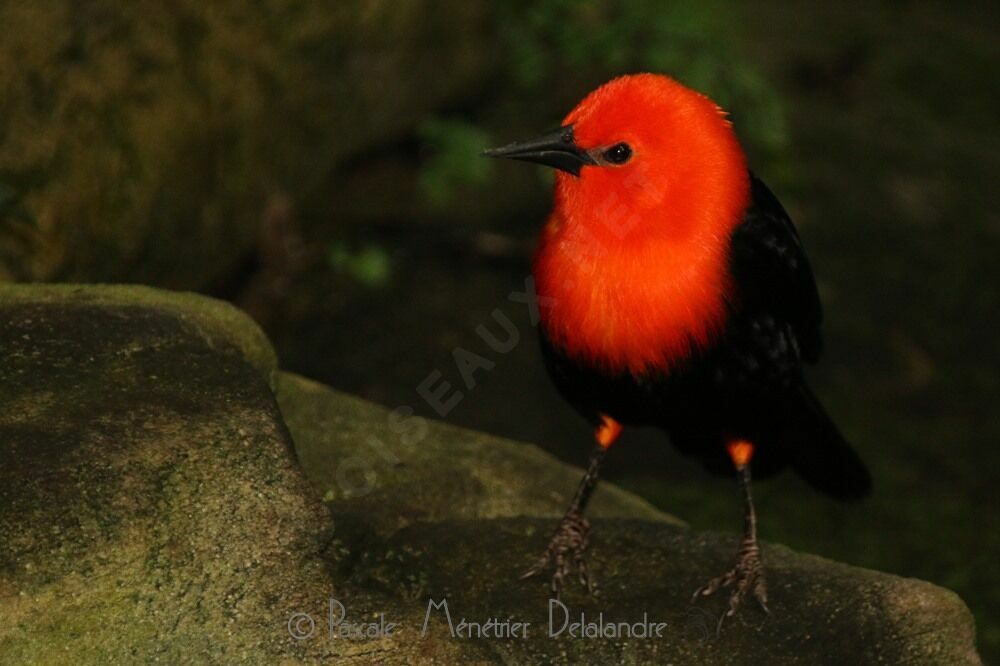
(566, 550)
(746, 578)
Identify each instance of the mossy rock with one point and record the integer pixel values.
(451, 514)
(152, 509)
(397, 469)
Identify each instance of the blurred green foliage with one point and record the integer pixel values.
(695, 42)
(369, 265)
(456, 159)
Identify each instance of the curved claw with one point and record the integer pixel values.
(747, 577)
(567, 548)
(536, 569)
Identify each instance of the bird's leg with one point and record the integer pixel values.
(569, 542)
(747, 577)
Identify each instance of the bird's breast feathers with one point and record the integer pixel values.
(634, 309)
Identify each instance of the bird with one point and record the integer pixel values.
(674, 292)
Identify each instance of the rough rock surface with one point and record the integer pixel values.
(396, 469)
(458, 500)
(152, 509)
(150, 503)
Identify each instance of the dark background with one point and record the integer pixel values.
(319, 166)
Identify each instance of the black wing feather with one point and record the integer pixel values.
(772, 272)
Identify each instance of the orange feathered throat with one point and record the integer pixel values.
(632, 268)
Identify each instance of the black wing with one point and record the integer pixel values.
(772, 272)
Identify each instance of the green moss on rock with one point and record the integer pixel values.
(216, 321)
(452, 514)
(397, 469)
(150, 503)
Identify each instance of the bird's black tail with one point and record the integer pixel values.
(822, 457)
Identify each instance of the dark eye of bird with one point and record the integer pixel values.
(620, 153)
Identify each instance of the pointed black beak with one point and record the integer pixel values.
(556, 149)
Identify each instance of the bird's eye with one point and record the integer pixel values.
(620, 153)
